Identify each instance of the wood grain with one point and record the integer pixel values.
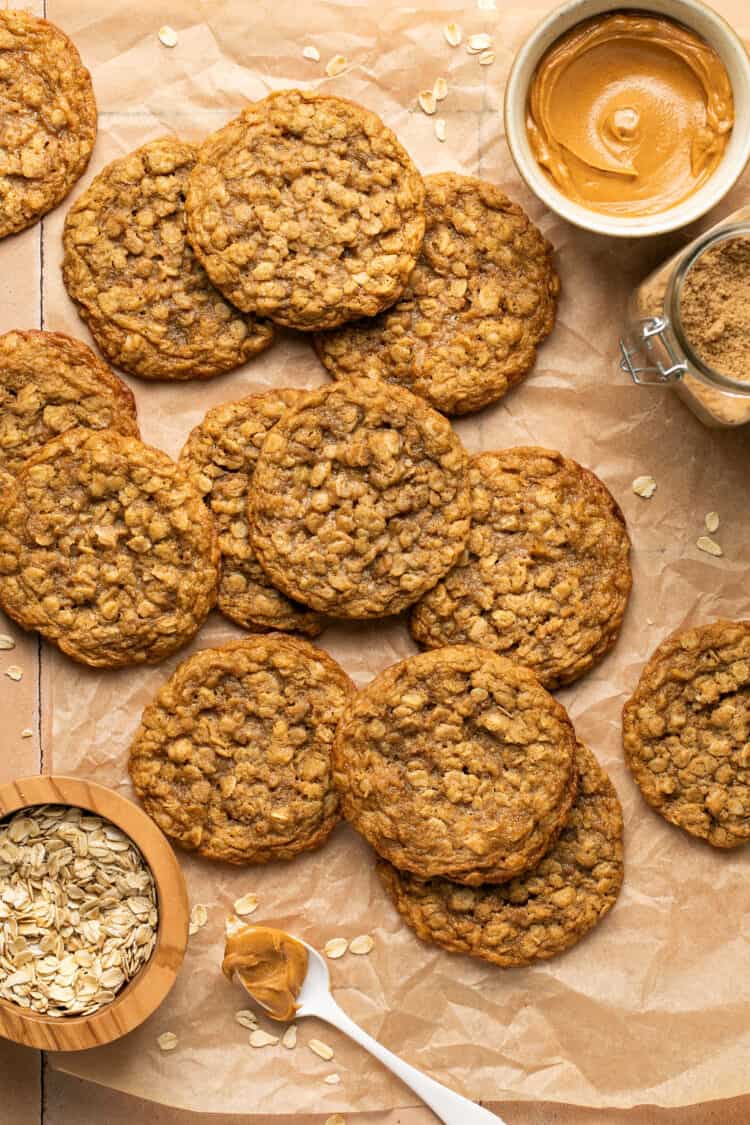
(148, 989)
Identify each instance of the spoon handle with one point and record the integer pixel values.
(450, 1107)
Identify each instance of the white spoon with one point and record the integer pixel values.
(315, 999)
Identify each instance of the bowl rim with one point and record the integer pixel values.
(556, 23)
(146, 991)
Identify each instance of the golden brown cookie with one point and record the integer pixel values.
(306, 209)
(50, 383)
(107, 550)
(136, 281)
(545, 576)
(47, 118)
(686, 732)
(536, 915)
(481, 297)
(232, 759)
(219, 457)
(457, 763)
(360, 500)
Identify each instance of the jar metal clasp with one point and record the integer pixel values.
(649, 330)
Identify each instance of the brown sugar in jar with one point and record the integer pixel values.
(715, 307)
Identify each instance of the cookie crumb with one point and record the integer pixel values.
(708, 546)
(167, 1041)
(644, 487)
(289, 1038)
(335, 948)
(322, 1050)
(259, 1038)
(248, 904)
(311, 53)
(14, 672)
(167, 36)
(6, 643)
(427, 102)
(712, 522)
(337, 65)
(361, 945)
(453, 34)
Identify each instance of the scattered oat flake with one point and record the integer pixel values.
(246, 905)
(167, 1041)
(247, 1019)
(198, 918)
(362, 944)
(479, 42)
(14, 672)
(452, 33)
(487, 58)
(710, 546)
(427, 102)
(289, 1038)
(644, 486)
(27, 732)
(6, 643)
(332, 1079)
(712, 522)
(440, 89)
(336, 947)
(335, 1119)
(312, 53)
(441, 129)
(336, 65)
(260, 1038)
(486, 5)
(167, 36)
(322, 1050)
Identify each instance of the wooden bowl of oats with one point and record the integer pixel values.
(93, 914)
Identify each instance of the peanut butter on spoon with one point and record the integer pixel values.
(271, 965)
(629, 113)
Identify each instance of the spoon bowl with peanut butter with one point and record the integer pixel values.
(289, 979)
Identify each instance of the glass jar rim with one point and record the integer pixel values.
(673, 296)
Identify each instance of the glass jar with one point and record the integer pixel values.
(655, 349)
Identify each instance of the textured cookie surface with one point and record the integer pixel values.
(306, 209)
(50, 383)
(136, 281)
(232, 759)
(686, 732)
(536, 915)
(106, 549)
(219, 457)
(481, 297)
(458, 763)
(47, 118)
(545, 576)
(360, 499)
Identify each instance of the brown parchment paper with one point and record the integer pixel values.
(652, 1006)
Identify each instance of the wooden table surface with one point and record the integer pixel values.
(31, 1092)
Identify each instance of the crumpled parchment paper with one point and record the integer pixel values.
(652, 1006)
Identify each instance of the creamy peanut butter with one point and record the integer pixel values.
(271, 965)
(629, 114)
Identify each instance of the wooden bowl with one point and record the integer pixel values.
(143, 995)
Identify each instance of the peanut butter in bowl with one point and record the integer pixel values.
(629, 113)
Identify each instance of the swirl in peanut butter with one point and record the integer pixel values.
(629, 114)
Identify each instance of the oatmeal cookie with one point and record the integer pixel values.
(457, 763)
(232, 759)
(686, 732)
(536, 915)
(306, 209)
(47, 118)
(545, 576)
(219, 457)
(360, 500)
(481, 297)
(137, 283)
(107, 550)
(50, 383)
